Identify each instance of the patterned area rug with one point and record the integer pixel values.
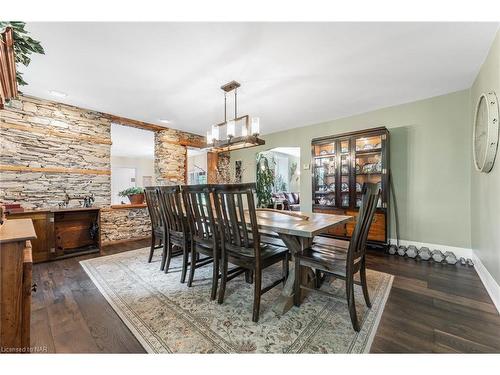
(168, 317)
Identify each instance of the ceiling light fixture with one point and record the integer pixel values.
(237, 133)
(164, 121)
(58, 94)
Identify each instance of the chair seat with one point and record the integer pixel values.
(267, 251)
(272, 241)
(320, 240)
(333, 260)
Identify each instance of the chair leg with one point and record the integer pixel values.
(193, 265)
(317, 280)
(364, 285)
(351, 303)
(215, 276)
(185, 256)
(169, 248)
(296, 287)
(163, 253)
(153, 243)
(223, 278)
(257, 292)
(249, 276)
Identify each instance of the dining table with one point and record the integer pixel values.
(296, 229)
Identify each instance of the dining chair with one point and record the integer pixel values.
(204, 235)
(176, 227)
(340, 262)
(157, 229)
(240, 240)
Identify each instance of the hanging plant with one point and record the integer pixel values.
(24, 45)
(265, 181)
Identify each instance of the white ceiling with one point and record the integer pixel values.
(292, 74)
(132, 142)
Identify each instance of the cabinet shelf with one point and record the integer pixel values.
(368, 152)
(324, 156)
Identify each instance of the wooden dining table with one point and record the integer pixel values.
(297, 231)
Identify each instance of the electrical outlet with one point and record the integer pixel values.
(306, 167)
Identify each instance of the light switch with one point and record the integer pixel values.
(306, 166)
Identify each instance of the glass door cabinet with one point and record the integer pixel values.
(341, 165)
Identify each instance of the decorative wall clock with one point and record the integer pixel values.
(485, 138)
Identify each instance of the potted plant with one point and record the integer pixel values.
(134, 194)
(265, 180)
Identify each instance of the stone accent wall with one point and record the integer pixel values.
(123, 224)
(224, 168)
(41, 134)
(170, 156)
(63, 149)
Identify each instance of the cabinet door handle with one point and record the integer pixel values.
(34, 287)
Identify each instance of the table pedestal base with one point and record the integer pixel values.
(285, 300)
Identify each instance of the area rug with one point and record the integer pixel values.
(168, 317)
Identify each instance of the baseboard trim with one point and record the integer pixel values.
(458, 251)
(488, 281)
(124, 240)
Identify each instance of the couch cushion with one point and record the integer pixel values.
(296, 196)
(290, 198)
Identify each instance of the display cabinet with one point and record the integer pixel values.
(340, 166)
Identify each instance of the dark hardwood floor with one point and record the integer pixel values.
(432, 308)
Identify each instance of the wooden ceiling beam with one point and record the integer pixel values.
(134, 123)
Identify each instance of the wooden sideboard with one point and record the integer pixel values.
(15, 285)
(63, 233)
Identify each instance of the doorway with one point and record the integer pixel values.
(196, 166)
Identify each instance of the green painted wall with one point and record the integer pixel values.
(485, 187)
(430, 162)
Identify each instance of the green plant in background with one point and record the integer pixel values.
(293, 171)
(264, 181)
(24, 45)
(131, 191)
(280, 184)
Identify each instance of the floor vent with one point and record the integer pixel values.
(424, 253)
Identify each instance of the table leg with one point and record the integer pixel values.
(285, 300)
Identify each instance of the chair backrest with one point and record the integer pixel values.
(153, 202)
(200, 213)
(171, 208)
(232, 202)
(357, 245)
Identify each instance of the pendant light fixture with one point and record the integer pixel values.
(236, 133)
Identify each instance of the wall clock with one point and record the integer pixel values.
(485, 138)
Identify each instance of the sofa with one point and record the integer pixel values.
(291, 201)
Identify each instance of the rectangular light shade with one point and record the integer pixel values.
(244, 130)
(255, 126)
(215, 132)
(230, 129)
